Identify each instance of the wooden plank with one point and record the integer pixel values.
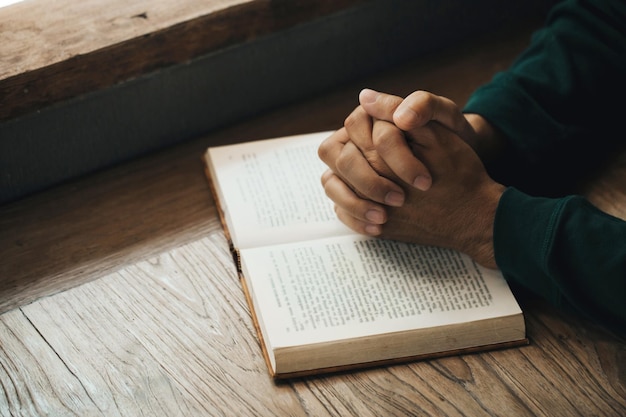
(94, 227)
(31, 372)
(36, 34)
(164, 336)
(173, 334)
(52, 51)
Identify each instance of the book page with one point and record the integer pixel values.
(271, 190)
(357, 286)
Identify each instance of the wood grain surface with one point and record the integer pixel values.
(53, 51)
(118, 296)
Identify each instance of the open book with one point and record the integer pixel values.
(326, 299)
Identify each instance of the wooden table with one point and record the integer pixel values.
(119, 297)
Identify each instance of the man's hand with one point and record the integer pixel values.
(369, 159)
(458, 210)
(375, 169)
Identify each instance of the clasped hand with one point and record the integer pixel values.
(403, 169)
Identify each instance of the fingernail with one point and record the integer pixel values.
(394, 198)
(367, 96)
(375, 216)
(422, 182)
(405, 115)
(372, 229)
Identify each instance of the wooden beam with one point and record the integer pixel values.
(54, 51)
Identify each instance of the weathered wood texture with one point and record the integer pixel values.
(172, 335)
(120, 298)
(52, 51)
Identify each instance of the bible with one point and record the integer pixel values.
(325, 299)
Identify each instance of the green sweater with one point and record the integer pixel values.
(561, 107)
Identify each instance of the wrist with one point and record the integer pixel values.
(479, 242)
(487, 141)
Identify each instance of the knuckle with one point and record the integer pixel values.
(354, 118)
(325, 177)
(422, 96)
(324, 150)
(344, 162)
(386, 141)
(373, 190)
(425, 102)
(391, 101)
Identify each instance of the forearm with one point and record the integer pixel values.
(487, 141)
(554, 97)
(565, 250)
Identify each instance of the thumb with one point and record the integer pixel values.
(379, 105)
(421, 107)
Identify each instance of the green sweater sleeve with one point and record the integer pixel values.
(566, 250)
(555, 103)
(555, 107)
